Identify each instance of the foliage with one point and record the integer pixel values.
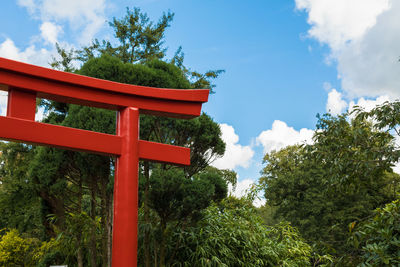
(139, 39)
(379, 237)
(177, 202)
(232, 234)
(16, 250)
(341, 178)
(175, 197)
(20, 205)
(386, 116)
(22, 250)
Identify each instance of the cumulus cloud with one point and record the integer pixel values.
(336, 22)
(364, 41)
(336, 104)
(370, 66)
(235, 154)
(84, 16)
(32, 54)
(281, 135)
(368, 104)
(50, 32)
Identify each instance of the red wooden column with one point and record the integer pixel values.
(124, 245)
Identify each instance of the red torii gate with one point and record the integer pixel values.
(25, 82)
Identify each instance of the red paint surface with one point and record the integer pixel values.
(21, 104)
(31, 132)
(124, 247)
(83, 90)
(25, 82)
(164, 153)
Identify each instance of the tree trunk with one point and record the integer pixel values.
(79, 232)
(109, 226)
(106, 222)
(163, 226)
(93, 203)
(146, 213)
(53, 205)
(104, 236)
(79, 252)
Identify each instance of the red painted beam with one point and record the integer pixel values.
(164, 153)
(20, 130)
(69, 93)
(80, 80)
(82, 90)
(31, 132)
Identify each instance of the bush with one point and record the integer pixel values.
(16, 250)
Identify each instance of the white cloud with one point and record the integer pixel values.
(85, 16)
(241, 190)
(282, 135)
(364, 41)
(50, 32)
(368, 104)
(29, 4)
(335, 105)
(335, 22)
(30, 55)
(3, 103)
(235, 154)
(370, 66)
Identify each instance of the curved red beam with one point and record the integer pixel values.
(78, 89)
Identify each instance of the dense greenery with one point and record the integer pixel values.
(337, 181)
(379, 237)
(232, 234)
(334, 202)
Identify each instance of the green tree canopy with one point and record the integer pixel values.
(341, 178)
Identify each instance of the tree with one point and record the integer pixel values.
(139, 39)
(341, 178)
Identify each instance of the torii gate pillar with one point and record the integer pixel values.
(124, 249)
(25, 82)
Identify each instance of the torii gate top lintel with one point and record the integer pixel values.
(25, 82)
(83, 90)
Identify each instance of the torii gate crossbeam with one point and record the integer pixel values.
(25, 83)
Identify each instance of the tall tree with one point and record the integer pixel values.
(339, 179)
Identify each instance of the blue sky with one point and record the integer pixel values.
(285, 60)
